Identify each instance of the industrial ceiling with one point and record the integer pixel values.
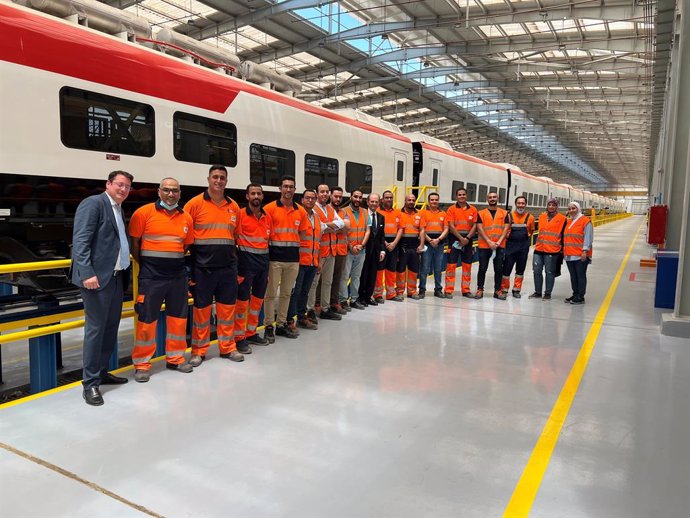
(570, 89)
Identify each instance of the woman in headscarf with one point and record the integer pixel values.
(548, 249)
(577, 249)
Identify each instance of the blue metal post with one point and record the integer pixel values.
(42, 363)
(5, 289)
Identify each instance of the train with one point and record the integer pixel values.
(98, 91)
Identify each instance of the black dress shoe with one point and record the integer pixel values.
(93, 397)
(109, 379)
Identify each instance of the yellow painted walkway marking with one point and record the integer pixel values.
(526, 490)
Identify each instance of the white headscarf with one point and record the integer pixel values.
(579, 211)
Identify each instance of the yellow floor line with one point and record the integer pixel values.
(77, 478)
(526, 490)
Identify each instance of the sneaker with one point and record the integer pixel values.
(414, 296)
(569, 300)
(397, 298)
(500, 295)
(479, 294)
(243, 347)
(468, 295)
(535, 295)
(449, 295)
(311, 315)
(516, 294)
(293, 327)
(346, 306)
(306, 323)
(257, 340)
(330, 315)
(196, 360)
(180, 367)
(422, 294)
(357, 305)
(547, 296)
(439, 294)
(142, 376)
(269, 334)
(337, 308)
(285, 331)
(233, 356)
(577, 302)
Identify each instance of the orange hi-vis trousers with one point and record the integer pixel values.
(152, 294)
(408, 271)
(466, 256)
(252, 283)
(387, 275)
(208, 284)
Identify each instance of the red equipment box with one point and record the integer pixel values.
(656, 227)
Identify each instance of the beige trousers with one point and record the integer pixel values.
(281, 281)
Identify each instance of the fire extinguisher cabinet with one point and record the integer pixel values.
(656, 229)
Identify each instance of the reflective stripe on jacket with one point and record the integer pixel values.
(549, 240)
(574, 237)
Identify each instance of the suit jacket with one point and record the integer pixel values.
(376, 241)
(95, 241)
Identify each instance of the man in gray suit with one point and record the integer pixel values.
(100, 267)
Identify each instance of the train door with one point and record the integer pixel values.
(403, 176)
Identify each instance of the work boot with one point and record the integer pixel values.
(142, 376)
(397, 298)
(379, 300)
(500, 295)
(337, 308)
(311, 315)
(516, 294)
(535, 295)
(547, 296)
(293, 327)
(414, 296)
(346, 306)
(285, 331)
(479, 294)
(330, 315)
(180, 367)
(422, 293)
(269, 335)
(196, 360)
(569, 299)
(243, 347)
(233, 356)
(439, 294)
(449, 295)
(257, 340)
(306, 323)
(468, 295)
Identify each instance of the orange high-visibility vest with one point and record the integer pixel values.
(462, 218)
(391, 223)
(253, 233)
(341, 237)
(574, 237)
(434, 223)
(214, 230)
(358, 225)
(309, 241)
(410, 223)
(493, 226)
(328, 239)
(163, 234)
(284, 242)
(549, 240)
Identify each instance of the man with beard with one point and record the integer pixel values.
(493, 225)
(393, 234)
(374, 252)
(462, 227)
(435, 224)
(411, 245)
(340, 253)
(517, 246)
(357, 236)
(254, 229)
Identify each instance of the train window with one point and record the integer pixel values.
(483, 190)
(98, 122)
(524, 195)
(457, 185)
(434, 178)
(471, 191)
(530, 199)
(501, 195)
(493, 188)
(400, 170)
(204, 141)
(543, 200)
(318, 170)
(268, 164)
(358, 177)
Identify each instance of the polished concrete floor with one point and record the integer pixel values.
(414, 409)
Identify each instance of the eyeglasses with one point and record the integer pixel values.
(169, 191)
(123, 186)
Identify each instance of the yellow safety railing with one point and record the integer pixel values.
(423, 192)
(608, 218)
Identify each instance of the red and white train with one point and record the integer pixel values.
(77, 103)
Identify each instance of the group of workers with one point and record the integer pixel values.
(301, 262)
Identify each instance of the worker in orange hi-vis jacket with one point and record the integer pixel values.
(161, 232)
(462, 228)
(493, 226)
(411, 246)
(517, 246)
(214, 267)
(254, 227)
(388, 268)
